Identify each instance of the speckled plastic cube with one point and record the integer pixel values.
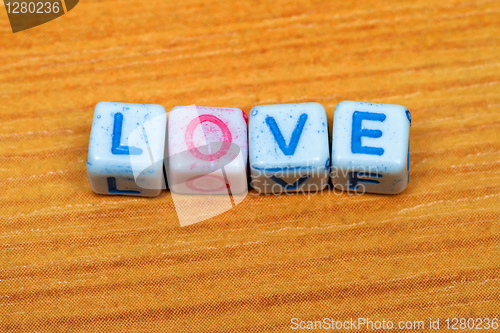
(371, 147)
(126, 149)
(207, 150)
(289, 149)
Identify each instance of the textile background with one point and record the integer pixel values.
(74, 261)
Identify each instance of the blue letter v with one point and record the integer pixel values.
(294, 140)
(292, 186)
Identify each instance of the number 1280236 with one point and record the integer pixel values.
(32, 7)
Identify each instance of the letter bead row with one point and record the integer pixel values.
(205, 150)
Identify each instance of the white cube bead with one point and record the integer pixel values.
(126, 149)
(289, 149)
(370, 147)
(208, 150)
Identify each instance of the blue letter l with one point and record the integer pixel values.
(116, 147)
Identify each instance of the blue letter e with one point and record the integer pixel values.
(358, 132)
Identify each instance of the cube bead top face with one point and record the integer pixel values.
(199, 134)
(204, 142)
(288, 136)
(372, 138)
(370, 134)
(127, 144)
(117, 135)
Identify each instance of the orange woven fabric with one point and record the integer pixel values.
(74, 261)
